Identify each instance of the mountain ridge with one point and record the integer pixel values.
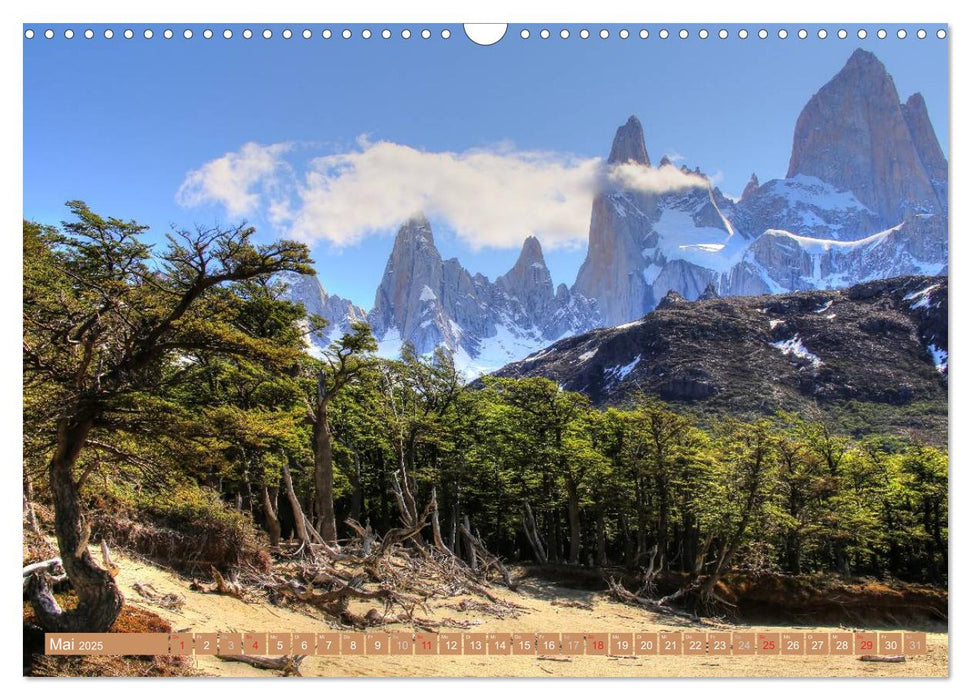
(844, 214)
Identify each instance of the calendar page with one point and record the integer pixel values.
(510, 350)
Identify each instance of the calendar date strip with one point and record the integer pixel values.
(489, 644)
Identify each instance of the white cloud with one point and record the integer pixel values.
(238, 181)
(489, 197)
(667, 178)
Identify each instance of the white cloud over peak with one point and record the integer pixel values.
(239, 181)
(489, 197)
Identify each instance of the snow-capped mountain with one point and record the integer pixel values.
(864, 198)
(337, 311)
(428, 302)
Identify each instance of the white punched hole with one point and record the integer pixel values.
(763, 34)
(488, 34)
(584, 33)
(683, 34)
(663, 33)
(129, 34)
(941, 34)
(168, 33)
(564, 33)
(544, 34)
(109, 34)
(703, 34)
(743, 33)
(187, 34)
(524, 34)
(327, 34)
(623, 34)
(425, 34)
(206, 33)
(604, 33)
(861, 34)
(68, 33)
(901, 33)
(802, 34)
(783, 33)
(366, 34)
(49, 34)
(89, 34)
(722, 33)
(347, 33)
(446, 33)
(821, 34)
(921, 33)
(29, 34)
(306, 34)
(644, 34)
(227, 34)
(881, 34)
(841, 34)
(148, 34)
(287, 34)
(386, 34)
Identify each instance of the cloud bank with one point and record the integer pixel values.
(489, 197)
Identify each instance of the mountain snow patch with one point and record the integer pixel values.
(939, 356)
(427, 294)
(620, 372)
(921, 299)
(794, 347)
(825, 307)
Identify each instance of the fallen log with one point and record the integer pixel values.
(171, 601)
(290, 665)
(883, 659)
(625, 596)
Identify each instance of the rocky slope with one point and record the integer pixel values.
(882, 342)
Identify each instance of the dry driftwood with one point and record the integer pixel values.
(110, 566)
(171, 601)
(572, 604)
(883, 659)
(658, 606)
(290, 665)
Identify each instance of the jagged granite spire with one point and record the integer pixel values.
(529, 279)
(628, 145)
(928, 148)
(852, 134)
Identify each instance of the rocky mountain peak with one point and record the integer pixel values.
(853, 134)
(671, 300)
(529, 279)
(751, 187)
(710, 292)
(928, 148)
(628, 145)
(416, 231)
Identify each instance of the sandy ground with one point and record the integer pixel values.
(210, 613)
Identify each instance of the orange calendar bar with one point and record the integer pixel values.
(134, 644)
(401, 643)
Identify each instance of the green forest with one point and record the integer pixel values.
(175, 382)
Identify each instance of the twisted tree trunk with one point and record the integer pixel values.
(99, 599)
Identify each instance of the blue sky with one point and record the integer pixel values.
(122, 124)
